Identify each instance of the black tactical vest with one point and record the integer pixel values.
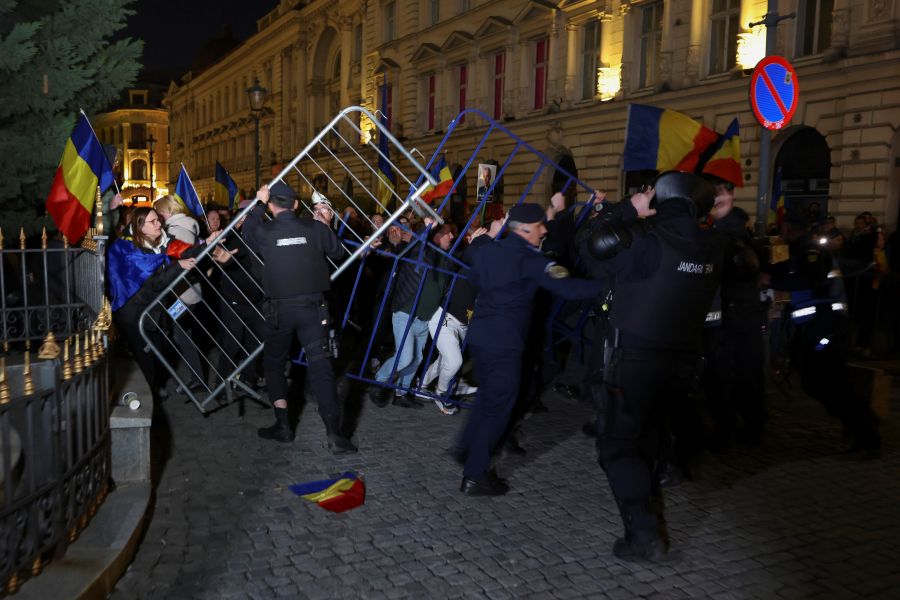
(669, 308)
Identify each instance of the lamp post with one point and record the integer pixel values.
(257, 97)
(151, 146)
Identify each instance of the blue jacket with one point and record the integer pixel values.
(507, 274)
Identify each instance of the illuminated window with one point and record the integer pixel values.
(725, 20)
(814, 26)
(590, 59)
(541, 58)
(651, 41)
(499, 82)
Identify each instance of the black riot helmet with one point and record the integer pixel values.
(697, 193)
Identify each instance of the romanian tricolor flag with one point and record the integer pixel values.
(725, 162)
(337, 495)
(658, 139)
(81, 170)
(776, 204)
(186, 194)
(226, 190)
(441, 172)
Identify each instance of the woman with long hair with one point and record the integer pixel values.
(140, 264)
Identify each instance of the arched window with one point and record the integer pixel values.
(138, 169)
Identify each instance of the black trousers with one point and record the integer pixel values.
(498, 372)
(245, 329)
(631, 426)
(126, 321)
(304, 318)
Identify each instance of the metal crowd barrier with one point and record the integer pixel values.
(207, 346)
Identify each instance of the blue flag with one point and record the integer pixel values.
(185, 193)
(127, 268)
(226, 190)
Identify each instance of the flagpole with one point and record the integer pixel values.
(203, 210)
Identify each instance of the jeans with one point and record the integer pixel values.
(409, 356)
(449, 345)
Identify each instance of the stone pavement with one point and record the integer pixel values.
(792, 519)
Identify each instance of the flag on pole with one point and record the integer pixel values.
(82, 168)
(386, 178)
(187, 195)
(337, 495)
(441, 172)
(662, 140)
(725, 161)
(776, 204)
(226, 190)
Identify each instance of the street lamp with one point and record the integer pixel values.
(151, 146)
(257, 97)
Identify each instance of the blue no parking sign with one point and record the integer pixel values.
(774, 92)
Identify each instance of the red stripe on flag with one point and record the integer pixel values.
(67, 212)
(704, 139)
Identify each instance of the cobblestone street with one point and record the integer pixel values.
(794, 518)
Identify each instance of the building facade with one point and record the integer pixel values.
(561, 76)
(142, 173)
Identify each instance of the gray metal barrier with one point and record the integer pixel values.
(207, 345)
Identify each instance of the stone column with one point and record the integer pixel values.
(300, 83)
(555, 71)
(524, 103)
(692, 65)
(571, 63)
(629, 47)
(346, 25)
(840, 31)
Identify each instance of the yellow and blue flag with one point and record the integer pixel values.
(186, 194)
(82, 168)
(725, 161)
(441, 172)
(226, 190)
(336, 495)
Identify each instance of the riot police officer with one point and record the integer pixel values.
(295, 278)
(664, 283)
(820, 327)
(507, 274)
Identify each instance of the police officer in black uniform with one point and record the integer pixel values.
(820, 339)
(295, 278)
(507, 274)
(664, 283)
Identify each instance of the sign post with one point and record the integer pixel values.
(771, 21)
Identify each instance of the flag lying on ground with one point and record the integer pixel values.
(441, 172)
(658, 139)
(725, 161)
(187, 195)
(776, 204)
(82, 168)
(226, 190)
(337, 495)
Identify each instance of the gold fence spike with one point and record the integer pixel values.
(65, 242)
(43, 238)
(27, 385)
(78, 365)
(95, 346)
(1, 237)
(49, 350)
(86, 355)
(67, 367)
(12, 586)
(4, 385)
(36, 567)
(21, 238)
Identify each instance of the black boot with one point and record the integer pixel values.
(281, 430)
(642, 541)
(379, 395)
(337, 443)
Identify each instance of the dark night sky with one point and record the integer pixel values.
(173, 31)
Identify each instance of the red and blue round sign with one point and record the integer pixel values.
(774, 92)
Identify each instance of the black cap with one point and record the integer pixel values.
(280, 189)
(676, 185)
(526, 212)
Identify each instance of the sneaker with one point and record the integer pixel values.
(464, 389)
(406, 401)
(446, 407)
